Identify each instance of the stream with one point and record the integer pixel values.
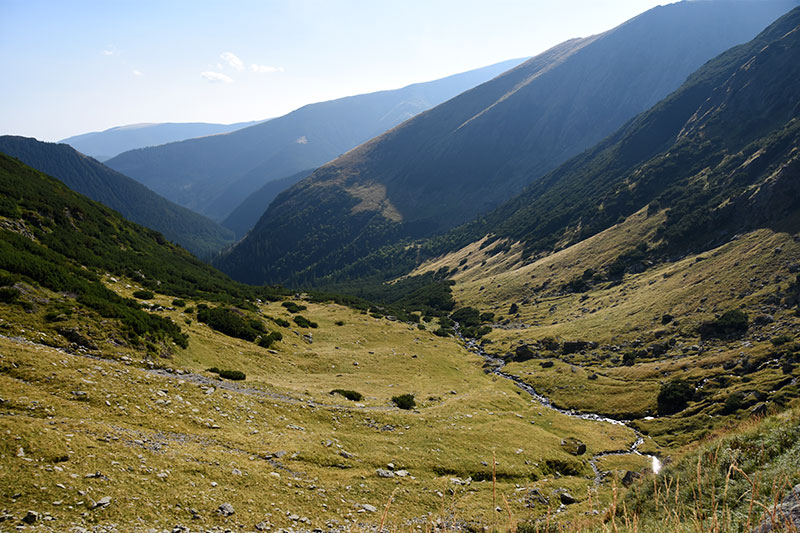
(497, 365)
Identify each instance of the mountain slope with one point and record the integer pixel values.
(720, 155)
(103, 145)
(471, 153)
(213, 175)
(136, 202)
(250, 210)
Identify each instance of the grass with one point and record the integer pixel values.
(170, 442)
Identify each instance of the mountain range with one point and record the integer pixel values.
(103, 145)
(470, 154)
(83, 174)
(213, 175)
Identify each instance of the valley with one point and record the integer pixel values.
(559, 294)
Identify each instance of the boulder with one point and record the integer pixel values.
(630, 477)
(225, 509)
(786, 515)
(567, 498)
(573, 446)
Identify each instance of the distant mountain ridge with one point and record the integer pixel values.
(470, 154)
(103, 145)
(133, 200)
(213, 175)
(719, 156)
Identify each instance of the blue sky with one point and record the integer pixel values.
(76, 66)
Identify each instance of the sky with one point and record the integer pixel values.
(71, 67)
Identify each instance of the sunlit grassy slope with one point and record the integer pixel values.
(170, 440)
(649, 320)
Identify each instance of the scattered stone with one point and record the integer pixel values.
(401, 473)
(105, 501)
(573, 446)
(369, 508)
(384, 473)
(20, 452)
(225, 509)
(787, 514)
(262, 526)
(534, 497)
(630, 477)
(31, 517)
(346, 455)
(567, 498)
(236, 472)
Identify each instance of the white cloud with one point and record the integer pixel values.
(216, 77)
(233, 60)
(265, 69)
(137, 72)
(108, 52)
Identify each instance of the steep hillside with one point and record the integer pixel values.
(250, 210)
(215, 174)
(136, 202)
(103, 145)
(473, 152)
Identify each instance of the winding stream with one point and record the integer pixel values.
(497, 365)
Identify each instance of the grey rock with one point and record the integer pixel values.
(567, 498)
(105, 501)
(225, 509)
(787, 515)
(369, 508)
(573, 446)
(630, 477)
(384, 473)
(31, 517)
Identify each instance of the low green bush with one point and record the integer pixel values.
(404, 401)
(351, 395)
(143, 295)
(293, 307)
(303, 322)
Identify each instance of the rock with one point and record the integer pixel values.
(592, 376)
(31, 517)
(534, 497)
(369, 508)
(523, 353)
(763, 320)
(786, 514)
(225, 509)
(105, 501)
(236, 472)
(390, 466)
(384, 473)
(262, 526)
(573, 446)
(759, 409)
(401, 473)
(346, 454)
(630, 477)
(567, 498)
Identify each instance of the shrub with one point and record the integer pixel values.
(303, 322)
(265, 341)
(230, 323)
(780, 340)
(189, 310)
(467, 316)
(733, 403)
(9, 294)
(674, 396)
(404, 401)
(281, 322)
(293, 307)
(421, 327)
(487, 316)
(178, 302)
(514, 309)
(234, 375)
(143, 295)
(443, 332)
(351, 395)
(732, 323)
